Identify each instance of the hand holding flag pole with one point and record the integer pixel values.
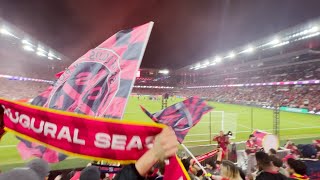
(194, 158)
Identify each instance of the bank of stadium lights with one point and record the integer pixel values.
(249, 49)
(281, 44)
(217, 59)
(28, 48)
(41, 51)
(274, 41)
(154, 87)
(309, 32)
(164, 71)
(231, 55)
(25, 41)
(6, 31)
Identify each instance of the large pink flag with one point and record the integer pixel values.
(98, 83)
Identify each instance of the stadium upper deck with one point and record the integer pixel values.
(22, 55)
(280, 53)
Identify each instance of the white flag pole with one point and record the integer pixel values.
(194, 158)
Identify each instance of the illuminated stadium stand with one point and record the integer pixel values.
(26, 63)
(294, 46)
(286, 63)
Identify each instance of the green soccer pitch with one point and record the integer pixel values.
(292, 126)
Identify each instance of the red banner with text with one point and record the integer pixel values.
(75, 134)
(84, 136)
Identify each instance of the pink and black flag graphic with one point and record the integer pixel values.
(181, 116)
(99, 82)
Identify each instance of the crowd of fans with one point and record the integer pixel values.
(301, 163)
(299, 72)
(299, 96)
(17, 90)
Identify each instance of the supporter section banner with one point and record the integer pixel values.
(87, 137)
(80, 135)
(297, 110)
(207, 155)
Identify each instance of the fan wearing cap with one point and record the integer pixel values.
(308, 155)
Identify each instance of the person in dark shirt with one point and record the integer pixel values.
(266, 170)
(211, 167)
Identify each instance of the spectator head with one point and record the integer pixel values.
(263, 160)
(186, 163)
(221, 133)
(296, 166)
(40, 167)
(199, 173)
(252, 137)
(308, 151)
(242, 174)
(229, 170)
(276, 161)
(289, 142)
(210, 164)
(20, 173)
(272, 151)
(90, 173)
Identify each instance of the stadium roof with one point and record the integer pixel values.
(301, 32)
(185, 31)
(26, 42)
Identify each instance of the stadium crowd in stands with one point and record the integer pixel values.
(291, 73)
(299, 96)
(301, 163)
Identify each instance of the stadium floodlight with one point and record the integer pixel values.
(231, 55)
(250, 49)
(213, 63)
(314, 29)
(28, 48)
(58, 58)
(40, 53)
(274, 41)
(310, 35)
(5, 31)
(27, 42)
(51, 54)
(217, 59)
(50, 57)
(164, 71)
(41, 49)
(281, 44)
(206, 63)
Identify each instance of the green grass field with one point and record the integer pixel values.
(292, 126)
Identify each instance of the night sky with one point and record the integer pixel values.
(185, 31)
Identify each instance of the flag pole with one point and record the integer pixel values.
(194, 158)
